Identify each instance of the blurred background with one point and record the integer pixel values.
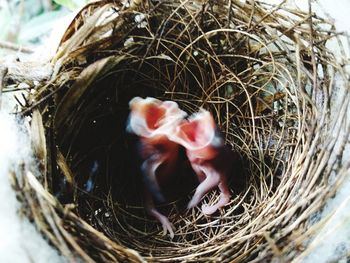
(29, 22)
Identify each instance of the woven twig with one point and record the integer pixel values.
(263, 71)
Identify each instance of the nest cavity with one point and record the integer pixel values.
(265, 74)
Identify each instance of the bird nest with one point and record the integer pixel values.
(265, 74)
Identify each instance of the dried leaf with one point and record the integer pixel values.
(74, 25)
(86, 77)
(61, 162)
(38, 139)
(79, 36)
(266, 102)
(38, 187)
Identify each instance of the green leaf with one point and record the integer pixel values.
(70, 4)
(40, 25)
(5, 25)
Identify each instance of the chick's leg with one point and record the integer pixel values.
(212, 180)
(149, 167)
(152, 211)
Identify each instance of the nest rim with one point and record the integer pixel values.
(299, 108)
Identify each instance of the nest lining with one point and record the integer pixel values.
(266, 78)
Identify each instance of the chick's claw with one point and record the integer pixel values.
(167, 226)
(224, 200)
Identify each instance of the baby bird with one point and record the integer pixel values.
(153, 120)
(209, 157)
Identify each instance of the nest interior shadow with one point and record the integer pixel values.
(251, 66)
(104, 159)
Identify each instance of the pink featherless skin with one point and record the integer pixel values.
(209, 157)
(153, 120)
